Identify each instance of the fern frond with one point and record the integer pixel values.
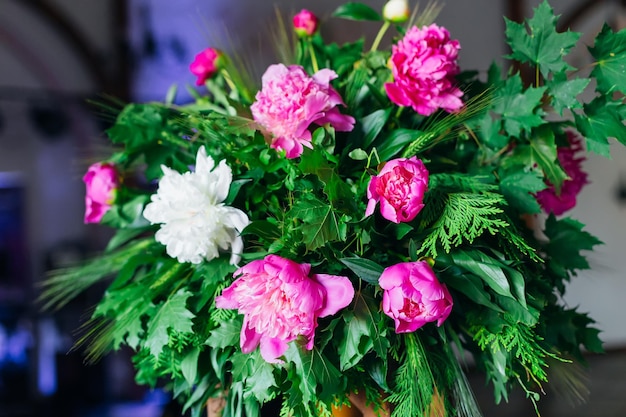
(464, 217)
(415, 388)
(519, 348)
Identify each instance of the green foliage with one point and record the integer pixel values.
(519, 187)
(566, 241)
(609, 51)
(320, 223)
(537, 42)
(459, 209)
(415, 385)
(172, 315)
(356, 11)
(518, 354)
(519, 108)
(602, 120)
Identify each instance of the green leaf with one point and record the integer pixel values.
(519, 187)
(189, 365)
(225, 335)
(130, 305)
(543, 152)
(361, 333)
(260, 377)
(565, 92)
(170, 96)
(566, 241)
(235, 186)
(470, 285)
(263, 229)
(128, 214)
(255, 373)
(491, 133)
(372, 124)
(320, 223)
(609, 51)
(356, 11)
(601, 121)
(488, 269)
(365, 269)
(305, 379)
(393, 143)
(537, 42)
(171, 314)
(123, 236)
(520, 110)
(137, 125)
(356, 341)
(315, 162)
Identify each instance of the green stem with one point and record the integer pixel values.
(379, 36)
(537, 76)
(313, 57)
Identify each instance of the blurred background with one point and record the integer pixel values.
(57, 57)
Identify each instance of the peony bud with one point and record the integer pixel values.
(206, 64)
(102, 182)
(413, 296)
(396, 11)
(305, 23)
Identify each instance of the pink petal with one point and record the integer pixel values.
(249, 338)
(272, 349)
(339, 293)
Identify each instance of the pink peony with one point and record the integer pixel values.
(102, 183)
(424, 64)
(290, 101)
(206, 64)
(550, 201)
(413, 296)
(305, 23)
(281, 301)
(400, 188)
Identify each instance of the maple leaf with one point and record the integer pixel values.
(520, 110)
(609, 50)
(519, 187)
(601, 121)
(321, 223)
(564, 92)
(172, 314)
(567, 240)
(537, 42)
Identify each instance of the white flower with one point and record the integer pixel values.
(195, 223)
(396, 11)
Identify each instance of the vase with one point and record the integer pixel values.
(360, 408)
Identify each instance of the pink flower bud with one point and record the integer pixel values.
(396, 11)
(206, 64)
(399, 188)
(413, 296)
(102, 183)
(305, 23)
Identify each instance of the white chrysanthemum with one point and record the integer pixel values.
(195, 224)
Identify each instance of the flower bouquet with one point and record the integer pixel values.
(357, 222)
